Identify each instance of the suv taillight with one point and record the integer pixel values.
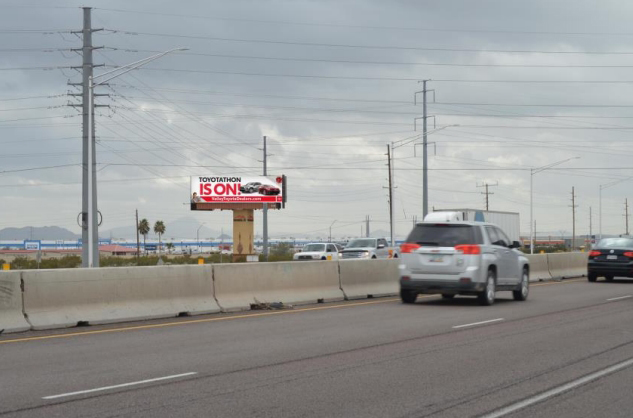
(628, 254)
(468, 249)
(409, 247)
(594, 253)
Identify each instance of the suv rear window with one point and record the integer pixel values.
(445, 235)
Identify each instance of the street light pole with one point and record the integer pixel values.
(198, 236)
(534, 171)
(92, 223)
(330, 240)
(392, 171)
(600, 188)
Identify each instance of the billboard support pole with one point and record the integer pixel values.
(265, 217)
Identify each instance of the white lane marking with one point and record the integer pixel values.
(477, 323)
(123, 385)
(621, 297)
(558, 390)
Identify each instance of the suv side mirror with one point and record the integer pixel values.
(515, 244)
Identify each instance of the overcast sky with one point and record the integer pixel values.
(330, 83)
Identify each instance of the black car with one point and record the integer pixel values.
(612, 257)
(250, 187)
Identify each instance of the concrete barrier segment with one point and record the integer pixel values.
(369, 278)
(238, 286)
(68, 297)
(11, 313)
(566, 265)
(539, 270)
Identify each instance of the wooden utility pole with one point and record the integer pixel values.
(487, 193)
(626, 215)
(391, 203)
(573, 218)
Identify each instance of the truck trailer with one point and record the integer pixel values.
(507, 221)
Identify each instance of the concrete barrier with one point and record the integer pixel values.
(565, 265)
(66, 297)
(238, 286)
(539, 269)
(369, 278)
(11, 314)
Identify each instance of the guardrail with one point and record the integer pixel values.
(42, 299)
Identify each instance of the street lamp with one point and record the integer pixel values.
(534, 171)
(92, 224)
(398, 144)
(600, 188)
(198, 236)
(330, 240)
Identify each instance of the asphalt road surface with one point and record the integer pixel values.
(565, 352)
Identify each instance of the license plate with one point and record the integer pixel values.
(436, 259)
(612, 257)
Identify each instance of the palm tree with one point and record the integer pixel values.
(170, 246)
(143, 229)
(159, 228)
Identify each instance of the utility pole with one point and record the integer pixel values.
(573, 218)
(535, 230)
(425, 178)
(138, 241)
(487, 193)
(265, 218)
(390, 194)
(590, 228)
(425, 182)
(367, 226)
(89, 173)
(626, 215)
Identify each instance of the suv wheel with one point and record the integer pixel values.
(408, 296)
(447, 296)
(487, 296)
(522, 292)
(609, 277)
(592, 277)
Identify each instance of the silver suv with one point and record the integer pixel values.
(462, 258)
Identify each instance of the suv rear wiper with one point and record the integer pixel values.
(432, 244)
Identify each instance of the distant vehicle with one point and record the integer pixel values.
(267, 189)
(250, 187)
(317, 251)
(368, 248)
(508, 221)
(454, 257)
(611, 257)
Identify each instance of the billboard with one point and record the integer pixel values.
(32, 245)
(237, 189)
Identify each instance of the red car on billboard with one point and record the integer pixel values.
(268, 190)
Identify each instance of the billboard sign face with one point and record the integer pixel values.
(236, 189)
(32, 245)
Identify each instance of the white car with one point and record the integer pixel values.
(318, 251)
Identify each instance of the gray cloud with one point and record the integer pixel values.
(272, 68)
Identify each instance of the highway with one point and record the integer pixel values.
(565, 352)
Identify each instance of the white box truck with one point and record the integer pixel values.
(507, 221)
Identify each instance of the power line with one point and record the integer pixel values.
(530, 105)
(316, 98)
(455, 80)
(39, 168)
(410, 63)
(45, 68)
(31, 98)
(359, 78)
(125, 32)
